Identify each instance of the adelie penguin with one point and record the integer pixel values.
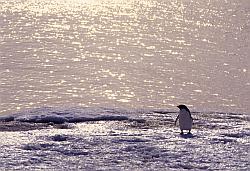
(185, 119)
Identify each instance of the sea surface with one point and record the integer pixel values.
(125, 54)
(94, 84)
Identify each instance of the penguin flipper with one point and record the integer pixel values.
(176, 119)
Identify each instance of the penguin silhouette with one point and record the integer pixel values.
(185, 119)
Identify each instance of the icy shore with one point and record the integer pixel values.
(116, 139)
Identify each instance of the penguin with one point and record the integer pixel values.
(185, 119)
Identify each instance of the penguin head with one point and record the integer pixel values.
(183, 107)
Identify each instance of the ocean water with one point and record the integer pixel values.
(125, 54)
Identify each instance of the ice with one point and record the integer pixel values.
(118, 139)
(72, 115)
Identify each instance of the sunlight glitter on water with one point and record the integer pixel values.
(132, 54)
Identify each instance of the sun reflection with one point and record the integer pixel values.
(110, 51)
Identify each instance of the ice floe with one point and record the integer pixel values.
(119, 139)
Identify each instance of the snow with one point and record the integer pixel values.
(72, 115)
(118, 139)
